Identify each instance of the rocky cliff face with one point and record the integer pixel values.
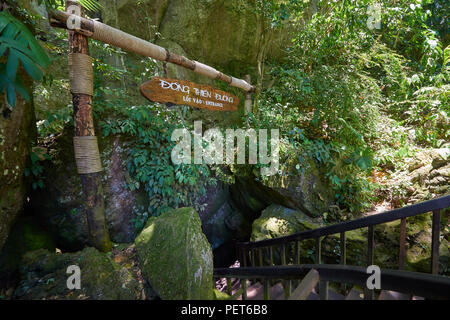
(17, 131)
(224, 34)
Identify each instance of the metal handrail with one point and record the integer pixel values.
(414, 283)
(405, 212)
(421, 284)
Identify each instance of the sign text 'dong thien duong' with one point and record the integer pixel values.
(183, 92)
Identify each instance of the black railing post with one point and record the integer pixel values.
(260, 253)
(244, 288)
(287, 287)
(402, 244)
(323, 289)
(271, 256)
(229, 287)
(318, 250)
(266, 290)
(244, 256)
(343, 259)
(435, 231)
(369, 294)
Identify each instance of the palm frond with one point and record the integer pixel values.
(21, 47)
(90, 5)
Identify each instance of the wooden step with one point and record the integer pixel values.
(305, 287)
(355, 294)
(276, 292)
(313, 296)
(255, 292)
(393, 295)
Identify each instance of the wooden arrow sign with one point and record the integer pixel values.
(188, 93)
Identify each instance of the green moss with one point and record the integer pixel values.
(25, 236)
(175, 256)
(218, 295)
(277, 221)
(44, 276)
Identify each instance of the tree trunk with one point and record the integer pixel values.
(84, 127)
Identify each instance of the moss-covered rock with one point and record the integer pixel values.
(418, 245)
(26, 235)
(278, 221)
(60, 204)
(175, 256)
(305, 189)
(44, 276)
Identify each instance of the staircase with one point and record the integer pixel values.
(252, 280)
(306, 291)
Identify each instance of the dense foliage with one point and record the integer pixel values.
(342, 80)
(353, 98)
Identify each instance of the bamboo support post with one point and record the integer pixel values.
(85, 143)
(115, 37)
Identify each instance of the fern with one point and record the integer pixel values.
(19, 44)
(21, 47)
(91, 5)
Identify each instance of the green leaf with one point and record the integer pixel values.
(11, 94)
(22, 46)
(91, 5)
(31, 68)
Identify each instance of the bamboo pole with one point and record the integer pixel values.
(85, 142)
(115, 37)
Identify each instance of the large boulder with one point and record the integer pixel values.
(221, 221)
(44, 276)
(306, 190)
(26, 235)
(175, 256)
(278, 221)
(60, 204)
(302, 186)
